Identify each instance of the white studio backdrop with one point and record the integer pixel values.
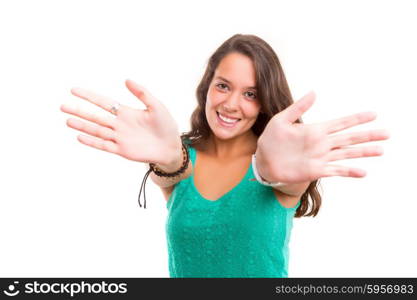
(70, 210)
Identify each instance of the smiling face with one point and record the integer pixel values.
(232, 106)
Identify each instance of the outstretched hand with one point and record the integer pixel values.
(149, 135)
(295, 152)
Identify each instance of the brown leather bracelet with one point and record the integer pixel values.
(182, 169)
(159, 172)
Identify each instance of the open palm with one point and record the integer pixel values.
(296, 152)
(149, 135)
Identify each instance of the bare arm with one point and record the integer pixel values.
(165, 182)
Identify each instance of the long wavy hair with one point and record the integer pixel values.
(272, 90)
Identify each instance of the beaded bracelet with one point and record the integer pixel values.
(159, 172)
(184, 166)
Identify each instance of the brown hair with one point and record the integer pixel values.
(272, 90)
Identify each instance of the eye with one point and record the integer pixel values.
(251, 95)
(222, 86)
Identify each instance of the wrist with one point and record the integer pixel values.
(260, 178)
(173, 164)
(261, 165)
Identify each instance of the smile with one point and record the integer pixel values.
(226, 122)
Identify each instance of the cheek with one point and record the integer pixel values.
(251, 110)
(214, 98)
(211, 103)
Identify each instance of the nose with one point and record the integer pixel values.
(232, 102)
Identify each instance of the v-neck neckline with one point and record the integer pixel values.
(225, 194)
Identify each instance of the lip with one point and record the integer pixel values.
(224, 124)
(230, 117)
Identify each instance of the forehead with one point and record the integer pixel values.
(238, 69)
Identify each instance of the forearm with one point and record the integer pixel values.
(293, 189)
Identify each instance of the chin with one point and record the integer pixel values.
(224, 136)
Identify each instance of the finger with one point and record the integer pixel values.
(97, 143)
(351, 152)
(103, 121)
(353, 138)
(349, 121)
(91, 129)
(336, 170)
(141, 93)
(297, 109)
(99, 100)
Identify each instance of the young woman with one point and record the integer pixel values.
(248, 165)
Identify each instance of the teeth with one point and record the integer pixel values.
(227, 119)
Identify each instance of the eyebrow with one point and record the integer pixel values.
(224, 79)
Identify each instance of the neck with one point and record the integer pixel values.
(241, 145)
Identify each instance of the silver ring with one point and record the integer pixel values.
(115, 108)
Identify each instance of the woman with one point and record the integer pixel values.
(254, 164)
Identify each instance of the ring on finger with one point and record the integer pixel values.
(115, 108)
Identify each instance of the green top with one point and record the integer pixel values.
(245, 233)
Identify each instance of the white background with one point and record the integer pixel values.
(70, 210)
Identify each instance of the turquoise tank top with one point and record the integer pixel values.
(245, 233)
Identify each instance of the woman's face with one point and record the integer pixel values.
(232, 94)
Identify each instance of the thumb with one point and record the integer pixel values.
(297, 109)
(141, 93)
